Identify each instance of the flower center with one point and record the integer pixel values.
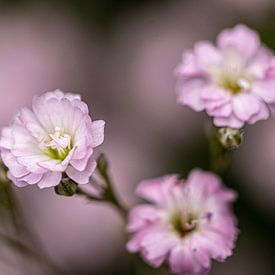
(184, 224)
(233, 79)
(58, 144)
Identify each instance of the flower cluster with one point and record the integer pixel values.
(234, 80)
(187, 224)
(57, 136)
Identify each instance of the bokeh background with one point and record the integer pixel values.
(120, 56)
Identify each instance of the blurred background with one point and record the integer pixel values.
(120, 56)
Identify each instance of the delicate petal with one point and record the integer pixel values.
(16, 181)
(6, 139)
(207, 55)
(16, 169)
(155, 247)
(261, 115)
(97, 132)
(210, 94)
(188, 66)
(222, 110)
(189, 93)
(50, 179)
(245, 106)
(265, 90)
(81, 177)
(183, 261)
(232, 122)
(155, 190)
(53, 165)
(141, 216)
(80, 164)
(241, 38)
(29, 120)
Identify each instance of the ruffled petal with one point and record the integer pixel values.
(263, 114)
(265, 90)
(189, 93)
(81, 177)
(155, 247)
(245, 106)
(240, 38)
(50, 179)
(183, 261)
(155, 190)
(97, 132)
(208, 57)
(231, 121)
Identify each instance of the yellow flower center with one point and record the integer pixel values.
(233, 79)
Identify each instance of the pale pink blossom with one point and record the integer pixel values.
(233, 81)
(186, 224)
(54, 138)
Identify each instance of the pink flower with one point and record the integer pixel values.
(234, 80)
(57, 136)
(186, 225)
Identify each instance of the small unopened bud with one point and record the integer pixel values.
(230, 138)
(102, 164)
(66, 188)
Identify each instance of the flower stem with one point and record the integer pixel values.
(108, 197)
(26, 250)
(108, 194)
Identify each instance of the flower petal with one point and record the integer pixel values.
(231, 121)
(241, 38)
(207, 55)
(155, 247)
(97, 132)
(265, 90)
(263, 114)
(81, 177)
(50, 179)
(245, 106)
(189, 94)
(183, 261)
(155, 190)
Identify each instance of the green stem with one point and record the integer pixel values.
(110, 195)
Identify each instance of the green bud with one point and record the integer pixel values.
(66, 188)
(102, 164)
(230, 138)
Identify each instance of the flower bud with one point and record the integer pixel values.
(66, 188)
(230, 138)
(102, 164)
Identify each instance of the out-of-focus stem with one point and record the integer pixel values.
(107, 197)
(27, 251)
(9, 204)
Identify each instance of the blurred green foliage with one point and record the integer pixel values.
(102, 14)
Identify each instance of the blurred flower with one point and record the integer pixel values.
(57, 136)
(187, 225)
(233, 81)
